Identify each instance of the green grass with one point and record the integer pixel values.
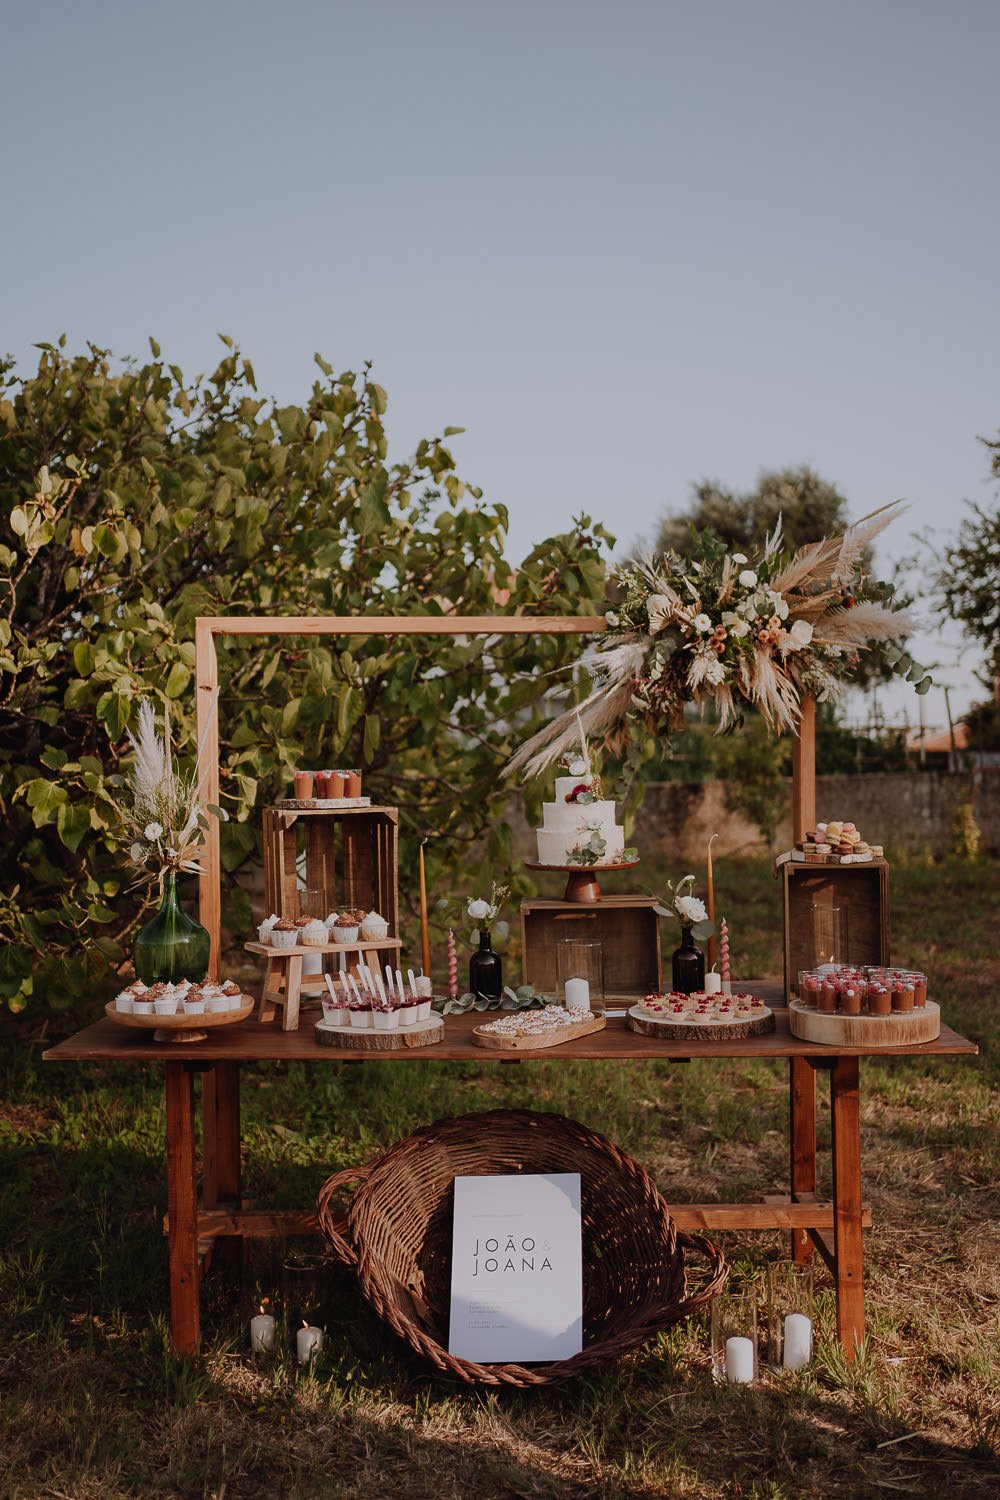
(92, 1403)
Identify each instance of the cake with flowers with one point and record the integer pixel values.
(578, 826)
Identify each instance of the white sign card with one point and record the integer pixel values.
(517, 1268)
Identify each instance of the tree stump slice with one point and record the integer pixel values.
(683, 1031)
(367, 1039)
(898, 1029)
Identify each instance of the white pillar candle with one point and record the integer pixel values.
(308, 1343)
(424, 988)
(798, 1341)
(312, 963)
(739, 1361)
(713, 984)
(577, 994)
(413, 984)
(262, 1334)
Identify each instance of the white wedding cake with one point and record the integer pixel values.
(579, 828)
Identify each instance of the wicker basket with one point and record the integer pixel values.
(398, 1227)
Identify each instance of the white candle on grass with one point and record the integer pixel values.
(798, 1341)
(739, 1361)
(262, 1334)
(577, 994)
(308, 1343)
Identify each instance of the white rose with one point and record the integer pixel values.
(658, 608)
(702, 624)
(801, 634)
(153, 831)
(748, 578)
(478, 909)
(691, 909)
(739, 557)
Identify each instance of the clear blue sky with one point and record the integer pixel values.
(627, 245)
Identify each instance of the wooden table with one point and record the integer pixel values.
(833, 1229)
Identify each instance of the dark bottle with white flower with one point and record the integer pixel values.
(486, 966)
(687, 963)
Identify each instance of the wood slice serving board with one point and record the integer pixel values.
(367, 1039)
(901, 1029)
(687, 1031)
(499, 1043)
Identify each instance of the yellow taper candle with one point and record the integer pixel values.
(711, 901)
(425, 938)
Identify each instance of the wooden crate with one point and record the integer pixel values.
(862, 889)
(352, 855)
(627, 926)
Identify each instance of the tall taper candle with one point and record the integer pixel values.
(711, 901)
(452, 967)
(425, 938)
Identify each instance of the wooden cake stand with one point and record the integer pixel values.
(181, 1028)
(582, 884)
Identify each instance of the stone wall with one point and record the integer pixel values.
(910, 813)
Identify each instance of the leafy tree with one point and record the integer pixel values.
(134, 500)
(809, 506)
(968, 579)
(754, 766)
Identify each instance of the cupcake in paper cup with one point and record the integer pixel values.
(166, 1004)
(284, 934)
(215, 1001)
(265, 928)
(345, 929)
(124, 1003)
(332, 919)
(194, 1001)
(374, 928)
(314, 933)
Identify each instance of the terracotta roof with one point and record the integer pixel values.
(940, 744)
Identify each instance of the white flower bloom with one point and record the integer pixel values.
(778, 605)
(748, 578)
(738, 627)
(659, 609)
(801, 633)
(739, 557)
(702, 624)
(153, 831)
(611, 617)
(690, 909)
(478, 909)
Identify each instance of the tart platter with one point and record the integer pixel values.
(701, 1017)
(529, 1031)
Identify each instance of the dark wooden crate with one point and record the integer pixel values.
(862, 889)
(352, 855)
(627, 926)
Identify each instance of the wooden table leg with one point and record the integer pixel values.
(293, 992)
(182, 1208)
(848, 1245)
(221, 1180)
(801, 1143)
(272, 984)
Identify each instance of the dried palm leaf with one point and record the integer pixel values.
(616, 668)
(861, 625)
(857, 537)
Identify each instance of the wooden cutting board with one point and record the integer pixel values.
(553, 1038)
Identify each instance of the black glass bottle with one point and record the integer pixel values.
(486, 969)
(688, 965)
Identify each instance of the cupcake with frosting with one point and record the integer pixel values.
(264, 930)
(331, 922)
(194, 1001)
(142, 1005)
(345, 929)
(314, 933)
(374, 928)
(284, 934)
(165, 1004)
(215, 1001)
(124, 1002)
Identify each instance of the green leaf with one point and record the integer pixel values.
(72, 822)
(113, 710)
(177, 680)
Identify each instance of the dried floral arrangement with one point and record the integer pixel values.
(161, 815)
(735, 631)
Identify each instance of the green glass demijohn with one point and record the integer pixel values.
(173, 945)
